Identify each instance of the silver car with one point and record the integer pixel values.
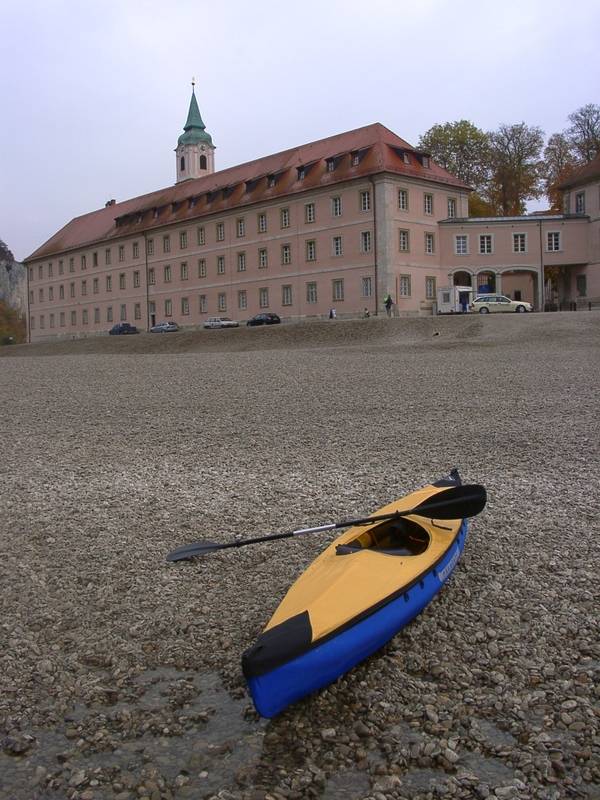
(486, 303)
(164, 327)
(221, 322)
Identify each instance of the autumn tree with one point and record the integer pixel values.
(517, 167)
(559, 162)
(584, 133)
(462, 149)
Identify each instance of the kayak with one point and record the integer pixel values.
(355, 596)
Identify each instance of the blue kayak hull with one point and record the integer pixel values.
(324, 663)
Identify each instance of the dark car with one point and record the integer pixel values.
(264, 319)
(122, 328)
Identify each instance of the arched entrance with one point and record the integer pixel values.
(486, 282)
(462, 278)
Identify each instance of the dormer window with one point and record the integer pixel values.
(271, 181)
(426, 162)
(301, 173)
(406, 158)
(355, 159)
(155, 214)
(330, 164)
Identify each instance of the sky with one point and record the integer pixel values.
(93, 95)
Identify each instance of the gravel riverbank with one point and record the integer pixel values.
(120, 675)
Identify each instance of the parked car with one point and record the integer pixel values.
(122, 328)
(221, 322)
(486, 303)
(264, 319)
(164, 327)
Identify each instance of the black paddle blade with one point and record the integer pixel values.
(192, 549)
(458, 502)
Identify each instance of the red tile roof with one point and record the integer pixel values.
(379, 150)
(585, 174)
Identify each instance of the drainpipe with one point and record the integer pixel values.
(372, 181)
(28, 314)
(541, 288)
(147, 286)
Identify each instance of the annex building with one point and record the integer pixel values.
(340, 222)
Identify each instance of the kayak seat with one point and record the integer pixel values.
(398, 537)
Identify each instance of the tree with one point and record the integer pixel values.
(584, 133)
(559, 162)
(517, 168)
(462, 149)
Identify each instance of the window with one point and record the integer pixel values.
(285, 217)
(580, 203)
(451, 208)
(330, 164)
(123, 312)
(108, 283)
(241, 227)
(107, 256)
(109, 314)
(94, 259)
(166, 244)
(202, 268)
(222, 301)
(365, 201)
(122, 281)
(301, 173)
(337, 290)
(183, 271)
(71, 290)
(365, 242)
(403, 199)
(404, 241)
(203, 162)
(62, 319)
(152, 307)
(95, 286)
(121, 252)
(73, 318)
(182, 240)
(461, 245)
(83, 288)
(43, 321)
(336, 206)
(61, 267)
(151, 276)
(220, 265)
(84, 317)
(286, 254)
(220, 231)
(32, 323)
(429, 288)
(309, 212)
(150, 247)
(553, 242)
(337, 247)
(367, 287)
(581, 283)
(41, 271)
(61, 292)
(263, 298)
(51, 292)
(429, 243)
(311, 250)
(262, 223)
(52, 320)
(31, 300)
(242, 299)
(136, 250)
(519, 242)
(485, 243)
(311, 292)
(168, 307)
(42, 293)
(137, 311)
(96, 315)
(262, 258)
(201, 235)
(136, 279)
(83, 262)
(404, 285)
(167, 273)
(355, 159)
(241, 262)
(428, 204)
(72, 264)
(203, 305)
(286, 295)
(185, 306)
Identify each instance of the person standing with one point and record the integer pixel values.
(388, 303)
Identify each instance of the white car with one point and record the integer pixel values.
(486, 303)
(221, 322)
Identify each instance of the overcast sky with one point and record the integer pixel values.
(93, 95)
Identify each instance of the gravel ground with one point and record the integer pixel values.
(120, 674)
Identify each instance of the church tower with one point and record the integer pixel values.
(195, 152)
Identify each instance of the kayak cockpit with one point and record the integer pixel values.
(398, 537)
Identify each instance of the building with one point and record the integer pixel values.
(339, 222)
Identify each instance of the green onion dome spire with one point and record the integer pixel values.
(195, 129)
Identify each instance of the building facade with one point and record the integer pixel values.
(340, 222)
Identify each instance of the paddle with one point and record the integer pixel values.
(457, 502)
